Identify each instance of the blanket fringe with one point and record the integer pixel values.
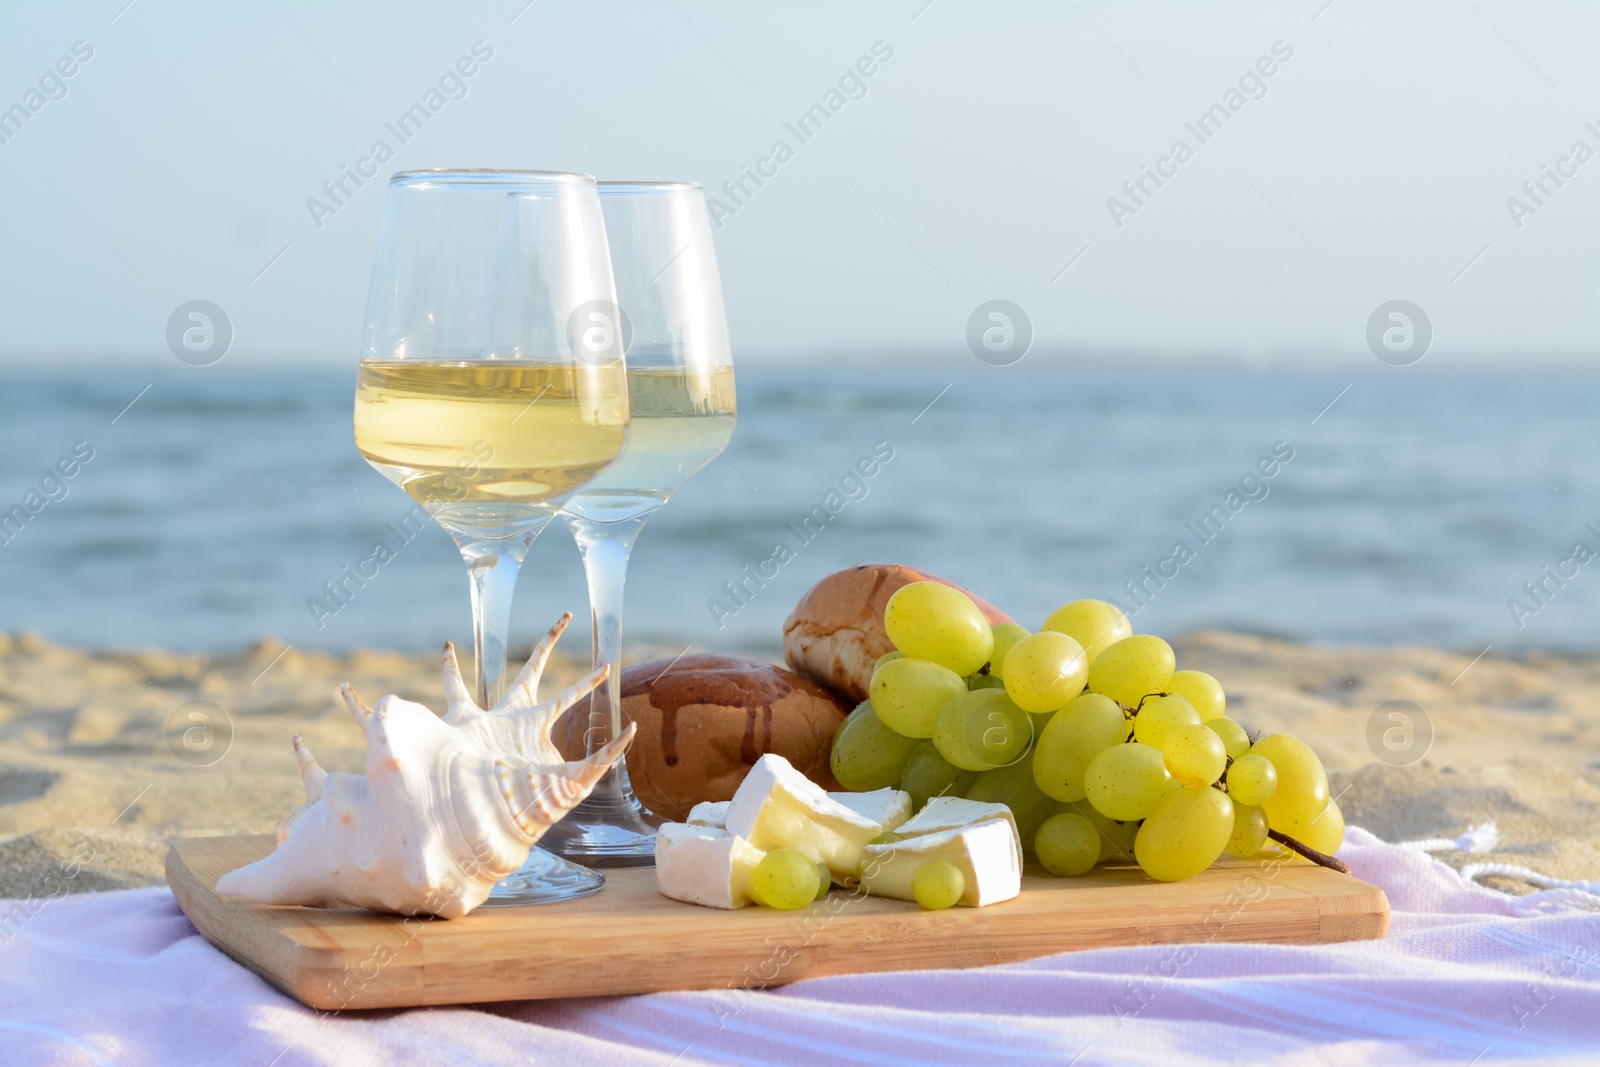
(1555, 893)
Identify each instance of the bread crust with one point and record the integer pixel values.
(835, 634)
(704, 720)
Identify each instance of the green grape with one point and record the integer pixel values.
(1302, 790)
(1075, 735)
(1127, 782)
(935, 622)
(1116, 838)
(1014, 787)
(985, 681)
(1252, 779)
(1194, 755)
(1006, 635)
(1159, 717)
(1201, 690)
(1235, 739)
(908, 693)
(937, 884)
(867, 755)
(929, 774)
(982, 730)
(1132, 668)
(1185, 835)
(1094, 624)
(888, 837)
(785, 879)
(1067, 844)
(1249, 831)
(1004, 734)
(1326, 832)
(1044, 671)
(886, 658)
(824, 880)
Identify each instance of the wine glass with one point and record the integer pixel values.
(492, 386)
(680, 391)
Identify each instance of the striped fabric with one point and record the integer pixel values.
(1467, 975)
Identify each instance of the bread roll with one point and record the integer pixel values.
(705, 719)
(835, 634)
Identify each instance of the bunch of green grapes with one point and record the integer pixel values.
(1103, 750)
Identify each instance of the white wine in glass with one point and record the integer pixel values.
(481, 394)
(681, 396)
(478, 442)
(682, 419)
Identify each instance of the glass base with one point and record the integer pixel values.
(544, 879)
(606, 831)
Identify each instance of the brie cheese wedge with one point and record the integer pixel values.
(705, 865)
(980, 839)
(778, 807)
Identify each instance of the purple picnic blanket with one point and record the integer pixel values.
(1466, 975)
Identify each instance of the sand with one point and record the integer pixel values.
(95, 775)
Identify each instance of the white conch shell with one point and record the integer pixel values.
(448, 807)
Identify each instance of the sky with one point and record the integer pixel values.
(984, 157)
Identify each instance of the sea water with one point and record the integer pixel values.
(1376, 508)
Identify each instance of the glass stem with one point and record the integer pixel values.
(605, 547)
(492, 568)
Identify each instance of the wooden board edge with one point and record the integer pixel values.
(322, 977)
(806, 962)
(1361, 915)
(318, 976)
(195, 899)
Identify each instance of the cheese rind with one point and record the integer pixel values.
(948, 813)
(709, 813)
(709, 859)
(778, 807)
(888, 807)
(705, 865)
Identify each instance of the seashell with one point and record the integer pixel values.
(449, 805)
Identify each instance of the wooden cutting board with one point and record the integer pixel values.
(630, 939)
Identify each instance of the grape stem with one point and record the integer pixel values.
(1308, 852)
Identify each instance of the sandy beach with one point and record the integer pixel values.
(91, 788)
